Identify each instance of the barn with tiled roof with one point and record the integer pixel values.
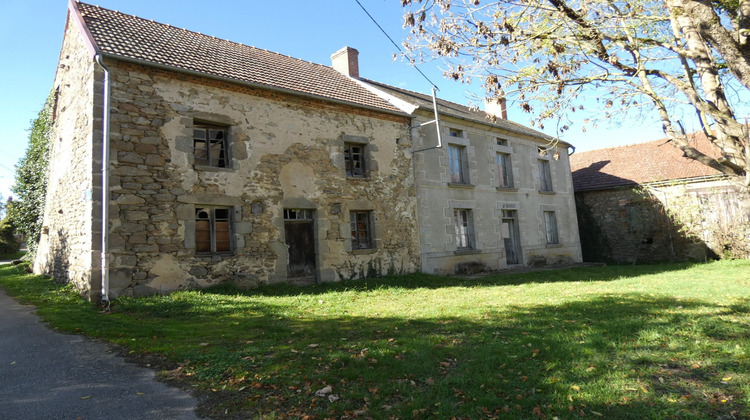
(641, 163)
(647, 202)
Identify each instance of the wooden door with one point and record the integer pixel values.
(300, 240)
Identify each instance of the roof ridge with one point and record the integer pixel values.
(664, 140)
(467, 107)
(205, 35)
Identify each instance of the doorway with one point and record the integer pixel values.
(300, 242)
(511, 237)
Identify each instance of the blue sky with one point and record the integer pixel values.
(31, 35)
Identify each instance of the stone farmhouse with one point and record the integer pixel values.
(179, 160)
(648, 203)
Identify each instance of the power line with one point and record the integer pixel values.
(394, 42)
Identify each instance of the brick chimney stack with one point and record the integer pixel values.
(496, 107)
(346, 61)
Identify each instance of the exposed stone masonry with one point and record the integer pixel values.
(285, 152)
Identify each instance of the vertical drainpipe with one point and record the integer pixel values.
(105, 184)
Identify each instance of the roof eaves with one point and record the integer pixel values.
(249, 84)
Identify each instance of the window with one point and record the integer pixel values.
(298, 214)
(354, 160)
(361, 229)
(545, 176)
(212, 230)
(464, 229)
(453, 132)
(550, 224)
(210, 145)
(501, 142)
(504, 171)
(457, 162)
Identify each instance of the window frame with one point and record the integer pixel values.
(545, 175)
(505, 169)
(213, 230)
(349, 158)
(458, 164)
(208, 161)
(552, 233)
(463, 224)
(361, 226)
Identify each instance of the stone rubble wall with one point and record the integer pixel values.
(286, 152)
(626, 225)
(66, 245)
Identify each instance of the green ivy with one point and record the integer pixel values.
(26, 211)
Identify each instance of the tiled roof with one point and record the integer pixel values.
(130, 37)
(456, 110)
(638, 164)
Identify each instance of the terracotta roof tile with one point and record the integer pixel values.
(637, 164)
(135, 38)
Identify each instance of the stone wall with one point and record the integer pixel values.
(715, 212)
(438, 197)
(66, 244)
(285, 152)
(627, 225)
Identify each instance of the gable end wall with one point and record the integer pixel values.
(67, 245)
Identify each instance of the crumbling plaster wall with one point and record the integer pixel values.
(438, 198)
(66, 245)
(285, 151)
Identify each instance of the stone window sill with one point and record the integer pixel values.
(366, 251)
(554, 245)
(542, 192)
(460, 185)
(357, 178)
(205, 168)
(213, 257)
(467, 252)
(507, 189)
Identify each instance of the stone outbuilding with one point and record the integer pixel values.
(221, 162)
(647, 202)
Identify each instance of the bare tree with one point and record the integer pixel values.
(650, 55)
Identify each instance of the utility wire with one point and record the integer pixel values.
(394, 43)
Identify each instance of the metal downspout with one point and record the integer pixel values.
(105, 184)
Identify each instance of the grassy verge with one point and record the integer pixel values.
(662, 341)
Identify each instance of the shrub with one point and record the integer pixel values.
(8, 241)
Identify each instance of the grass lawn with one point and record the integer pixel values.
(654, 341)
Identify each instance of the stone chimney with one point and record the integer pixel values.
(496, 107)
(345, 61)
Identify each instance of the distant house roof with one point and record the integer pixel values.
(132, 38)
(638, 164)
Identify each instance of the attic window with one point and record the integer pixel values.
(210, 145)
(453, 132)
(501, 142)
